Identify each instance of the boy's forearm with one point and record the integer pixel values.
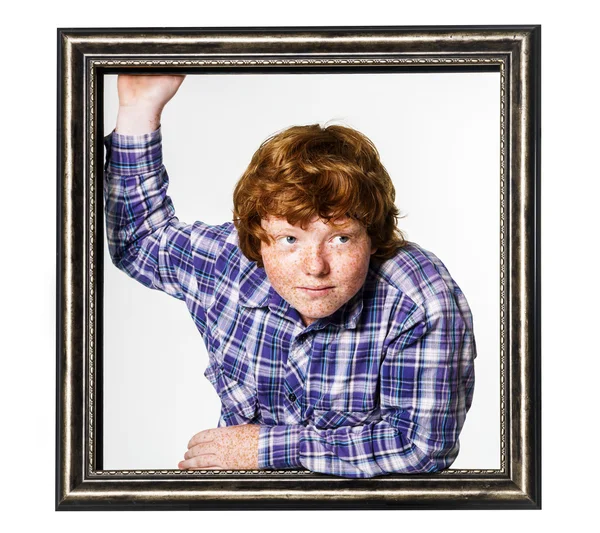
(141, 101)
(137, 120)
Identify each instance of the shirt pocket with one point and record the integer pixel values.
(348, 381)
(331, 419)
(359, 397)
(239, 401)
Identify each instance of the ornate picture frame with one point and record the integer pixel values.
(86, 56)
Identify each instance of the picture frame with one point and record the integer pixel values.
(86, 57)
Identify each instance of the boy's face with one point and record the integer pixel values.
(319, 268)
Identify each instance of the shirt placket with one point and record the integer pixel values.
(295, 377)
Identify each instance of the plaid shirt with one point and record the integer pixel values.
(381, 386)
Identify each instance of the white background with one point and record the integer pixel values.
(569, 203)
(438, 136)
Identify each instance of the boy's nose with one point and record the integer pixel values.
(315, 262)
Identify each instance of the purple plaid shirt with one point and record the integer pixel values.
(381, 386)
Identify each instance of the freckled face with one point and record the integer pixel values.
(319, 268)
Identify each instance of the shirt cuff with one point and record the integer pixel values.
(132, 155)
(278, 447)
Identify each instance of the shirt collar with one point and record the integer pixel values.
(257, 291)
(254, 284)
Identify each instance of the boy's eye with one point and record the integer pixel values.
(290, 240)
(343, 239)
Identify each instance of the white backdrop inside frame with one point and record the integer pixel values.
(438, 136)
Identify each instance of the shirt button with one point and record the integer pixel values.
(292, 397)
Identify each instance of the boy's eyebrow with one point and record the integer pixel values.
(346, 225)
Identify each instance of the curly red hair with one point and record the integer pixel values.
(308, 171)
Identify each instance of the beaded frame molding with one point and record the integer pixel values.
(86, 55)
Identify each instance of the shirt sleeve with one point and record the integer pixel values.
(145, 238)
(426, 386)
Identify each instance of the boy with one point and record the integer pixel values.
(333, 344)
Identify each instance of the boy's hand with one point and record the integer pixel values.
(226, 448)
(141, 101)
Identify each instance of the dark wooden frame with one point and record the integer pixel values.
(84, 55)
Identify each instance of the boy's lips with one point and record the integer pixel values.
(316, 290)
